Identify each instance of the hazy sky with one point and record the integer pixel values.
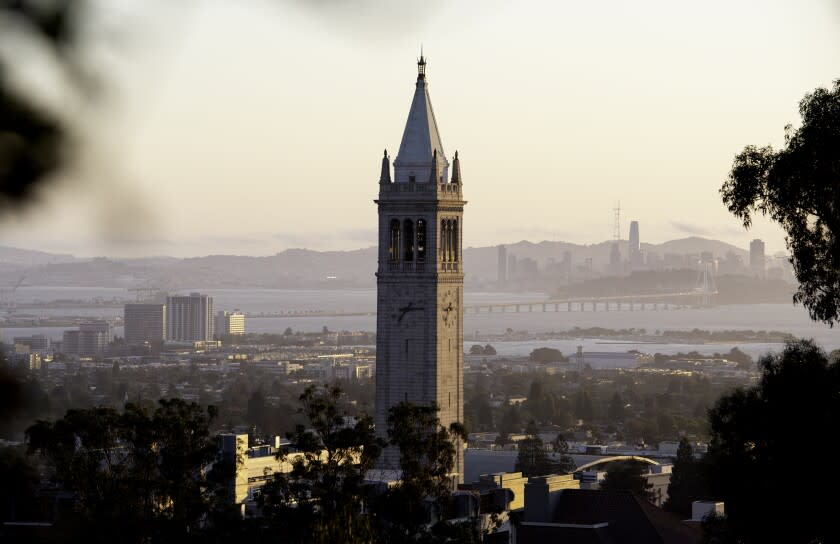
(252, 126)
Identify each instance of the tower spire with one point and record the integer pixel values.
(456, 169)
(421, 65)
(385, 176)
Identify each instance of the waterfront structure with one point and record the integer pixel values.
(420, 279)
(230, 323)
(757, 260)
(144, 323)
(501, 274)
(190, 318)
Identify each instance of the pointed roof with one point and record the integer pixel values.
(420, 138)
(456, 169)
(385, 176)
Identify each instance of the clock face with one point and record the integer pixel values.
(406, 308)
(449, 308)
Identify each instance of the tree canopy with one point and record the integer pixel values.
(136, 473)
(758, 436)
(798, 187)
(627, 476)
(532, 459)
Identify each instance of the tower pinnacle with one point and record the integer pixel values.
(456, 169)
(421, 65)
(385, 176)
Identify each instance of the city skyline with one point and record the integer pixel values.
(608, 103)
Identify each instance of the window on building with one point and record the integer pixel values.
(394, 241)
(421, 240)
(408, 237)
(455, 240)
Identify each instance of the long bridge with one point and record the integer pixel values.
(657, 301)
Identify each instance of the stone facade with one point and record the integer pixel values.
(420, 280)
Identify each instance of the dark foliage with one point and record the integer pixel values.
(321, 499)
(798, 186)
(135, 474)
(627, 476)
(687, 484)
(758, 436)
(532, 459)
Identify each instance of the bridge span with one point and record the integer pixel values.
(659, 301)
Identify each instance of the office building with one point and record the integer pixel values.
(89, 340)
(502, 267)
(37, 343)
(230, 323)
(145, 324)
(635, 249)
(190, 318)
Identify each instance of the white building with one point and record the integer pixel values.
(230, 323)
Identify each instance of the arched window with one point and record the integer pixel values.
(442, 248)
(421, 240)
(449, 240)
(394, 241)
(408, 239)
(455, 240)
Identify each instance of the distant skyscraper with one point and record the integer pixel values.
(420, 279)
(230, 323)
(512, 272)
(144, 323)
(635, 249)
(757, 257)
(501, 273)
(615, 260)
(190, 318)
(90, 339)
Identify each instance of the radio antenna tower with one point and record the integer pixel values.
(617, 227)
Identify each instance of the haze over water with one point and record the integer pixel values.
(779, 317)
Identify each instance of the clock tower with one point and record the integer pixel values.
(420, 279)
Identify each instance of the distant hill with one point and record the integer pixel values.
(15, 256)
(295, 268)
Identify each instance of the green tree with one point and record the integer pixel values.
(137, 474)
(564, 463)
(546, 355)
(756, 437)
(321, 499)
(476, 349)
(584, 408)
(511, 420)
(427, 454)
(615, 411)
(489, 350)
(628, 476)
(686, 484)
(532, 459)
(798, 186)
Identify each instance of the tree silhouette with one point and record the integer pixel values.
(532, 459)
(757, 439)
(798, 186)
(687, 484)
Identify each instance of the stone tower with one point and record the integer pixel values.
(420, 280)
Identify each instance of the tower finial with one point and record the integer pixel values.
(385, 175)
(456, 170)
(421, 65)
